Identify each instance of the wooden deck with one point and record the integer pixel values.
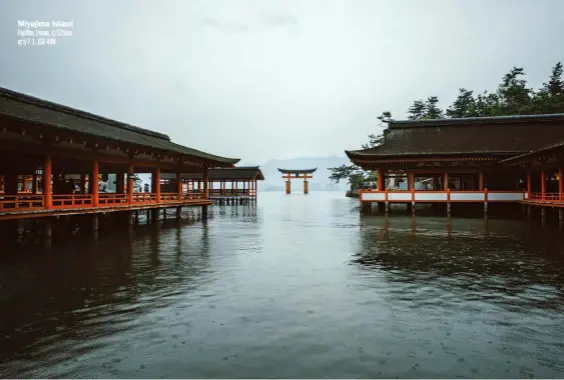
(549, 200)
(23, 206)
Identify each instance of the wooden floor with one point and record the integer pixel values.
(25, 206)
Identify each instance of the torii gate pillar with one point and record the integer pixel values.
(297, 174)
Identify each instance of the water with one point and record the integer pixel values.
(294, 287)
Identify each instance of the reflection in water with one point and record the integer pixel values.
(292, 287)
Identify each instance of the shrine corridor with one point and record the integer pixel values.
(293, 286)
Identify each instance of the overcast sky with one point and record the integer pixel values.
(274, 78)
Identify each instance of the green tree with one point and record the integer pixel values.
(463, 105)
(514, 96)
(550, 98)
(432, 110)
(417, 110)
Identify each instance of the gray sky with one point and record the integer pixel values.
(274, 78)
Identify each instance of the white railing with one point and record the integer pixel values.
(440, 196)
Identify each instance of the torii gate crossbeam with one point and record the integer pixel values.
(290, 174)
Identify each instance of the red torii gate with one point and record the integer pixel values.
(297, 174)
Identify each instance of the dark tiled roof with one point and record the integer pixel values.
(509, 137)
(298, 171)
(30, 109)
(243, 172)
(478, 120)
(538, 152)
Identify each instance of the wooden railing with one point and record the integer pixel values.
(169, 197)
(21, 201)
(232, 192)
(72, 200)
(111, 199)
(193, 196)
(554, 197)
(144, 197)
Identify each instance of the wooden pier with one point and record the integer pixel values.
(55, 161)
(227, 186)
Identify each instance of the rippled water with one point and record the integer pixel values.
(294, 287)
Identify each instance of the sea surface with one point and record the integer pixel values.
(293, 287)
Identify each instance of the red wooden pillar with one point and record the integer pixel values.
(206, 183)
(157, 182)
(179, 184)
(410, 181)
(94, 183)
(47, 186)
(529, 185)
(380, 180)
(543, 186)
(481, 181)
(34, 184)
(130, 175)
(560, 185)
(445, 182)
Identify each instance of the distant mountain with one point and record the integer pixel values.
(273, 178)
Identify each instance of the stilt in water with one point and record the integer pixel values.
(543, 215)
(204, 211)
(179, 213)
(47, 231)
(448, 209)
(366, 206)
(561, 217)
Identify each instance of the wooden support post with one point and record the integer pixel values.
(157, 184)
(445, 182)
(94, 183)
(543, 215)
(178, 212)
(120, 183)
(448, 200)
(560, 186)
(47, 186)
(288, 186)
(130, 175)
(34, 184)
(380, 180)
(206, 192)
(481, 181)
(206, 182)
(410, 181)
(179, 184)
(529, 189)
(48, 228)
(561, 217)
(95, 224)
(543, 186)
(485, 201)
(306, 187)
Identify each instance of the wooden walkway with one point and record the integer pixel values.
(24, 206)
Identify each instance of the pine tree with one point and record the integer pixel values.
(417, 110)
(432, 111)
(515, 97)
(463, 104)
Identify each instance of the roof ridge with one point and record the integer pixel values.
(76, 112)
(468, 120)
